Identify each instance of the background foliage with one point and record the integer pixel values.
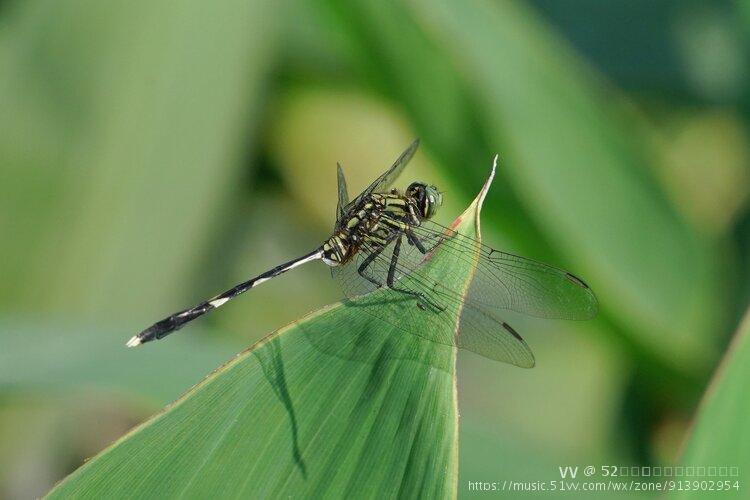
(152, 153)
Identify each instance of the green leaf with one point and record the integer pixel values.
(337, 403)
(721, 432)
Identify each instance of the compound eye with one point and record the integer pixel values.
(415, 189)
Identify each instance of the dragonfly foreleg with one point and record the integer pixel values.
(416, 242)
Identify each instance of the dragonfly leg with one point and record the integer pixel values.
(424, 301)
(416, 242)
(366, 263)
(434, 242)
(413, 214)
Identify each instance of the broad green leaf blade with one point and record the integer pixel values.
(337, 403)
(721, 432)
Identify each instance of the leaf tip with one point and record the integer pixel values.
(486, 187)
(473, 210)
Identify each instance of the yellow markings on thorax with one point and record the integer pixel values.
(374, 222)
(395, 202)
(395, 224)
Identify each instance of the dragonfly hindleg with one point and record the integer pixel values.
(361, 270)
(423, 300)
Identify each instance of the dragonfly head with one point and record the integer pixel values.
(428, 198)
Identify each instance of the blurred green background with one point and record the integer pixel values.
(154, 153)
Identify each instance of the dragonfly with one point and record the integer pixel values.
(382, 241)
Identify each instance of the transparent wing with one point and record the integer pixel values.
(352, 283)
(343, 193)
(419, 304)
(507, 281)
(485, 334)
(389, 177)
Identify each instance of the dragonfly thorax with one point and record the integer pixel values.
(360, 224)
(378, 218)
